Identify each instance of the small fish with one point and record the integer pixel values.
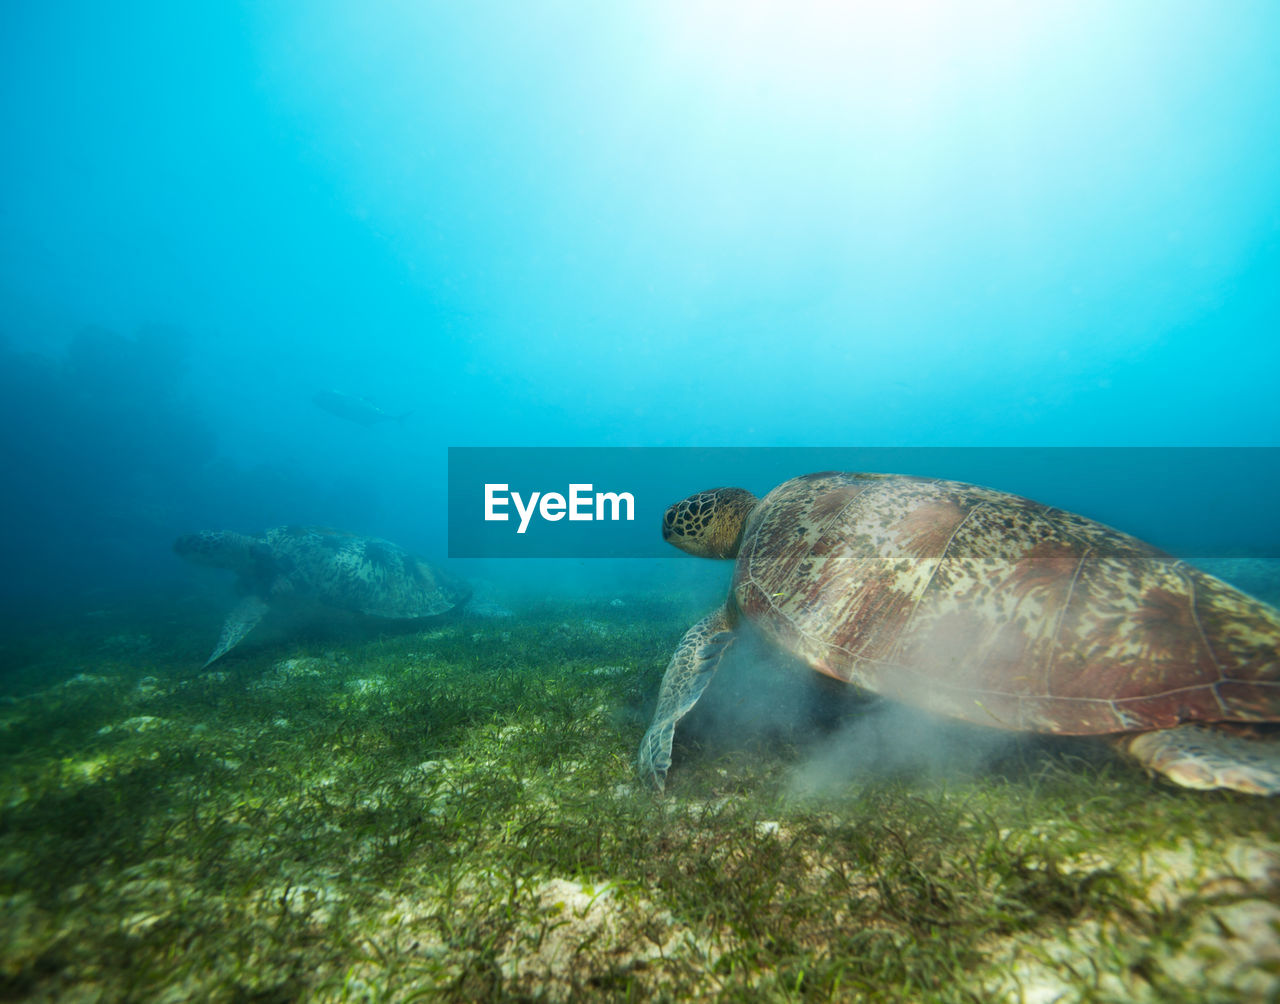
(354, 409)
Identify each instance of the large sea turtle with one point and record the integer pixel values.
(316, 566)
(986, 607)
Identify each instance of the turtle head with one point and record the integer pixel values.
(221, 548)
(709, 524)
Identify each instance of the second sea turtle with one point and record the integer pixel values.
(317, 566)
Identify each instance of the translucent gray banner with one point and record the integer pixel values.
(561, 502)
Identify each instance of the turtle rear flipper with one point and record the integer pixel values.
(688, 673)
(1204, 757)
(242, 619)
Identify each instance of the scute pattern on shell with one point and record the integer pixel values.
(365, 574)
(1000, 610)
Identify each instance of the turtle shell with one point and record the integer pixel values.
(999, 610)
(366, 574)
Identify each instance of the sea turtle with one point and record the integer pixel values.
(987, 607)
(320, 567)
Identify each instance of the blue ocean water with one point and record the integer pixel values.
(288, 264)
(571, 224)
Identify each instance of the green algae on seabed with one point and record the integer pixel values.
(453, 814)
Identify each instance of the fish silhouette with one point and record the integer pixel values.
(355, 409)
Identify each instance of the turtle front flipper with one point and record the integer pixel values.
(1204, 757)
(242, 619)
(688, 673)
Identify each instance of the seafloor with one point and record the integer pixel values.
(449, 811)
